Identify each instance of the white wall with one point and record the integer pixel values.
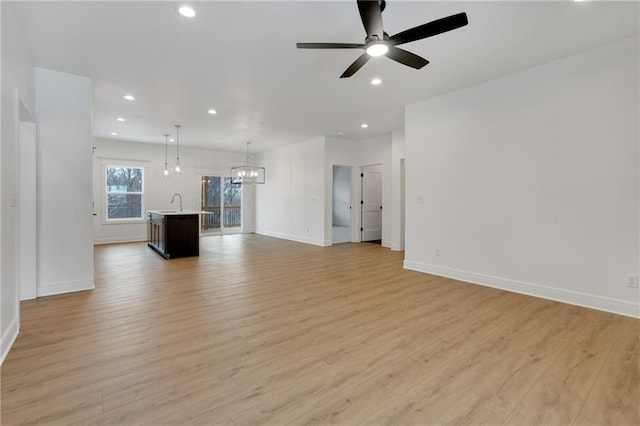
(396, 238)
(65, 232)
(158, 190)
(530, 182)
(291, 204)
(17, 79)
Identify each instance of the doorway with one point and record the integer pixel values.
(371, 203)
(221, 205)
(341, 204)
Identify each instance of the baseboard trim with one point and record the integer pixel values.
(116, 240)
(321, 243)
(586, 300)
(51, 289)
(7, 340)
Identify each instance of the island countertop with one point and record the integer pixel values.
(173, 212)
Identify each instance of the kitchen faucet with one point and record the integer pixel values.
(173, 199)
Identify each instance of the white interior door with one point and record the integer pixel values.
(371, 203)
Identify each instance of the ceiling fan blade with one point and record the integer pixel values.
(371, 16)
(407, 58)
(354, 67)
(429, 29)
(329, 46)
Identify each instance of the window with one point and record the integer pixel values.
(124, 193)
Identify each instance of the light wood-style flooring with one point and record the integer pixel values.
(265, 331)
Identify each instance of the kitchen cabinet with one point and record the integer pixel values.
(174, 234)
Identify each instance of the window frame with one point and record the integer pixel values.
(105, 195)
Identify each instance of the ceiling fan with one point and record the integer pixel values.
(378, 42)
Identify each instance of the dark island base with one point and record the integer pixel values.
(175, 235)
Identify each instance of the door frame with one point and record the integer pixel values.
(403, 172)
(26, 215)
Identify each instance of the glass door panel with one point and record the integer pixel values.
(232, 204)
(210, 197)
(221, 205)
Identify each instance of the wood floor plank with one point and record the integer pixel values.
(259, 330)
(615, 396)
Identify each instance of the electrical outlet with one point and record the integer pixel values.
(437, 252)
(632, 281)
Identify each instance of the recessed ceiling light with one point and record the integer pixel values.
(172, 140)
(187, 11)
(114, 134)
(129, 97)
(377, 49)
(120, 119)
(212, 111)
(376, 81)
(364, 125)
(341, 133)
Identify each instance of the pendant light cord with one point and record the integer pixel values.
(166, 149)
(178, 143)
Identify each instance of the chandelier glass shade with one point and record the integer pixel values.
(247, 174)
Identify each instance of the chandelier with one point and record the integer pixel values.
(247, 174)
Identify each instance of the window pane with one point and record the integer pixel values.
(210, 203)
(212, 191)
(124, 206)
(124, 179)
(232, 193)
(232, 204)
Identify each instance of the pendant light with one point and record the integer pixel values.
(241, 175)
(166, 149)
(177, 170)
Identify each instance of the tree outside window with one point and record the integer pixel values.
(232, 192)
(124, 192)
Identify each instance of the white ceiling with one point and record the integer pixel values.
(239, 57)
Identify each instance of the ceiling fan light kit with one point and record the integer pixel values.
(377, 49)
(379, 43)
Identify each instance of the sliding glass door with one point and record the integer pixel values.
(221, 205)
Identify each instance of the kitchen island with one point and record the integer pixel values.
(174, 233)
